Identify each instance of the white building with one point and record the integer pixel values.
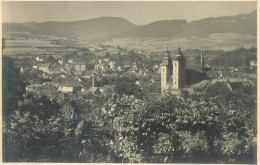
(65, 89)
(253, 64)
(112, 64)
(61, 61)
(44, 68)
(38, 59)
(173, 72)
(70, 61)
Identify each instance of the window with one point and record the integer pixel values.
(175, 64)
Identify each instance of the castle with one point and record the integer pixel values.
(173, 72)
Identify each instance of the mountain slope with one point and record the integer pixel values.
(114, 27)
(241, 24)
(163, 28)
(91, 29)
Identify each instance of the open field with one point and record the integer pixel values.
(216, 41)
(33, 46)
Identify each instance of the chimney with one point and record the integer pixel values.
(93, 81)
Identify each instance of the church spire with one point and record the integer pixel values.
(167, 52)
(167, 57)
(179, 50)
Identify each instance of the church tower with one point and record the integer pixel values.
(166, 71)
(179, 70)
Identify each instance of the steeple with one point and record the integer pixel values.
(166, 58)
(168, 52)
(179, 51)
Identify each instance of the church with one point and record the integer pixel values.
(173, 72)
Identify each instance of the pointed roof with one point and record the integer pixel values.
(179, 55)
(44, 65)
(166, 57)
(179, 51)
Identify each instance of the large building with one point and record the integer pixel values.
(79, 66)
(173, 72)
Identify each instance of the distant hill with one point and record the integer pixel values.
(156, 29)
(92, 29)
(241, 24)
(114, 27)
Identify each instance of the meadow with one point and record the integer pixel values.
(216, 41)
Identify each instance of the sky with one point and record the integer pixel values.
(138, 12)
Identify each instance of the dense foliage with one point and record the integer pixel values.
(240, 58)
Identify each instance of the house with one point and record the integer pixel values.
(253, 64)
(39, 59)
(127, 66)
(119, 68)
(112, 64)
(156, 66)
(100, 66)
(54, 70)
(32, 87)
(231, 69)
(21, 70)
(44, 67)
(70, 61)
(79, 66)
(60, 61)
(65, 89)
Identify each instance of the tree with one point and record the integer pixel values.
(13, 86)
(127, 86)
(123, 114)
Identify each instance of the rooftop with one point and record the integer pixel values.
(44, 66)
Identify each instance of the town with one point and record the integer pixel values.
(129, 82)
(85, 72)
(83, 84)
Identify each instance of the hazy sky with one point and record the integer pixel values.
(136, 12)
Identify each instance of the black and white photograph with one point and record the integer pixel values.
(129, 82)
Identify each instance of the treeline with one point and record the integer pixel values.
(239, 58)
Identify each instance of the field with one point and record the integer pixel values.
(52, 45)
(224, 41)
(32, 46)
